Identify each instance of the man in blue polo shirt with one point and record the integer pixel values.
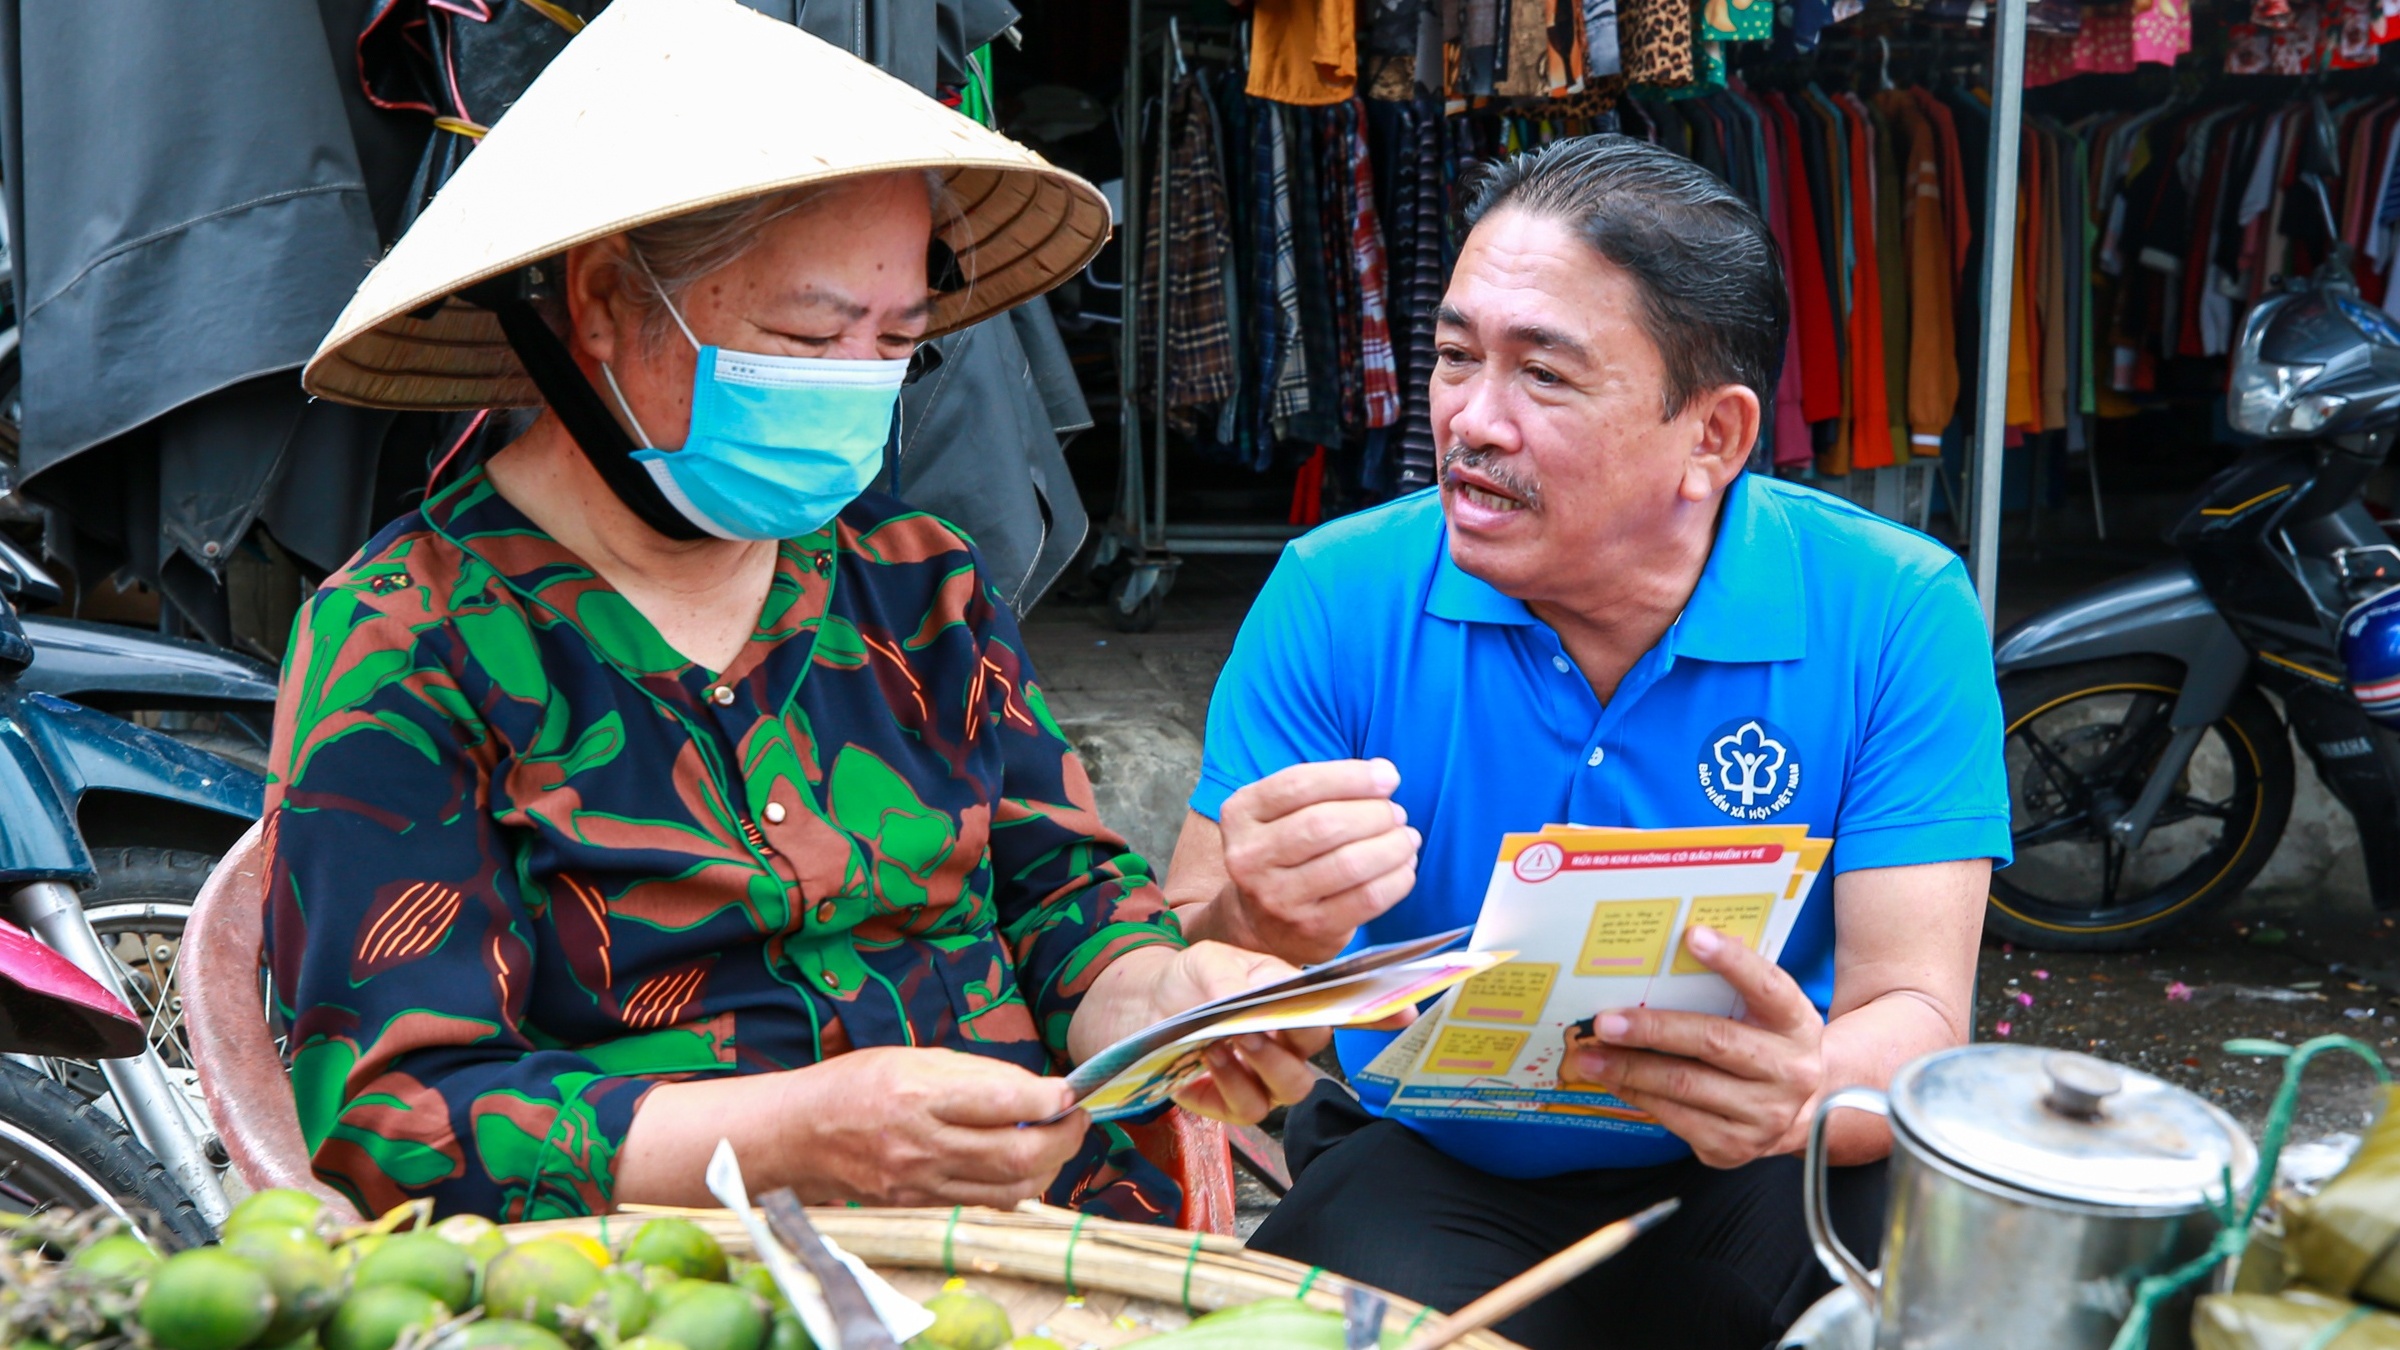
(1595, 603)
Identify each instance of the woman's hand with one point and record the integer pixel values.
(887, 1126)
(1247, 1075)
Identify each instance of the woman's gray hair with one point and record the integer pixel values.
(666, 258)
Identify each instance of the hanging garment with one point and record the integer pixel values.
(1199, 364)
(1870, 414)
(1601, 54)
(2023, 405)
(2051, 312)
(2162, 31)
(1321, 255)
(2103, 44)
(1891, 270)
(1428, 265)
(1812, 314)
(1381, 377)
(1391, 27)
(1932, 388)
(1527, 50)
(1303, 51)
(1280, 263)
(1737, 20)
(1481, 48)
(1655, 40)
(1787, 417)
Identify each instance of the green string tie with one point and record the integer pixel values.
(1191, 1259)
(1072, 1235)
(1308, 1282)
(950, 1229)
(1415, 1322)
(2324, 1340)
(2233, 1213)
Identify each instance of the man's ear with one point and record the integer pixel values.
(1726, 422)
(598, 309)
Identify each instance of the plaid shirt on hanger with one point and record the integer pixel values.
(1200, 363)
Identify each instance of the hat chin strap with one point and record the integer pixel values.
(578, 405)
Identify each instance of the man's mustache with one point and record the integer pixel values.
(1490, 465)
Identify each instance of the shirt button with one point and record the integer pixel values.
(1598, 754)
(721, 696)
(773, 813)
(1560, 662)
(832, 981)
(825, 912)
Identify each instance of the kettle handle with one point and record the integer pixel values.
(1837, 1258)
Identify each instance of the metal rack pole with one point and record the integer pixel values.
(1999, 257)
(1132, 499)
(1170, 55)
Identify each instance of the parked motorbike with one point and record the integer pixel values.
(148, 858)
(2150, 775)
(78, 786)
(56, 1148)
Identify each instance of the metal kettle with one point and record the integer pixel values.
(2030, 1190)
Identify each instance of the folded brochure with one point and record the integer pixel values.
(1143, 1070)
(1594, 919)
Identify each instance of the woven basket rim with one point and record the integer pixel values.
(1043, 1245)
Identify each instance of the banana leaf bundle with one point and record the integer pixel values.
(2346, 1238)
(2292, 1320)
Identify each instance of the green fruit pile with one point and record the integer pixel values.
(280, 1279)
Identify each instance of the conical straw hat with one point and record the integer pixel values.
(657, 108)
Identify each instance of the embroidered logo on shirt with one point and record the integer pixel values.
(1748, 769)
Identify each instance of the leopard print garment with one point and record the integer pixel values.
(1655, 37)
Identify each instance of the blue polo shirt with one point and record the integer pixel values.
(1854, 644)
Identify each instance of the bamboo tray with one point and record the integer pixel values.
(1082, 1281)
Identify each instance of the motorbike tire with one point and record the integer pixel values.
(2041, 902)
(57, 1149)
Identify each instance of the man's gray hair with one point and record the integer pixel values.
(1710, 278)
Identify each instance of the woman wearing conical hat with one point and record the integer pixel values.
(655, 783)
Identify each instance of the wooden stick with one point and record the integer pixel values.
(1516, 1295)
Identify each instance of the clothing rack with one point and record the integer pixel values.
(1139, 543)
(1142, 547)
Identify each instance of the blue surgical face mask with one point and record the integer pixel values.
(778, 444)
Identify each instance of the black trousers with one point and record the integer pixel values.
(1373, 1201)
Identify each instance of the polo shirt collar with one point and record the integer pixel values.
(1749, 605)
(1469, 599)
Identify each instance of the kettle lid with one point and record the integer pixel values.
(2071, 1127)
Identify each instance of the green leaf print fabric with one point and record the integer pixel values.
(529, 862)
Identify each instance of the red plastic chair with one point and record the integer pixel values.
(250, 1096)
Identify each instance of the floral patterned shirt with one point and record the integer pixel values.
(528, 861)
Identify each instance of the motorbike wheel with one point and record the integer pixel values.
(58, 1150)
(138, 909)
(2080, 742)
